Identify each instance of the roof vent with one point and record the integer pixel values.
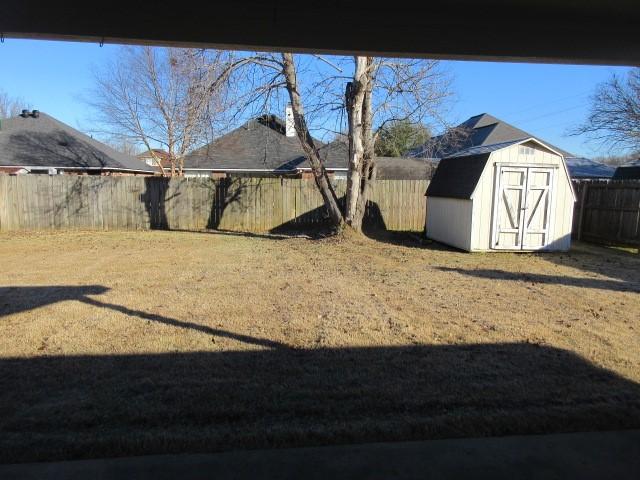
(24, 114)
(35, 113)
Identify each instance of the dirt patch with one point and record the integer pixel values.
(150, 342)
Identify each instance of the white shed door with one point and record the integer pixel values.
(522, 208)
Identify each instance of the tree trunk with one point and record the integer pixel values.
(368, 174)
(306, 140)
(361, 165)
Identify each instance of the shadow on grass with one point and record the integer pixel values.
(601, 260)
(527, 277)
(19, 299)
(66, 407)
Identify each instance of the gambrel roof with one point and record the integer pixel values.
(458, 174)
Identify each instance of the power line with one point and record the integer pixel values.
(551, 114)
(549, 102)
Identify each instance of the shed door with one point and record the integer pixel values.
(535, 230)
(522, 207)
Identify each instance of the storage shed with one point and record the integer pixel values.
(514, 196)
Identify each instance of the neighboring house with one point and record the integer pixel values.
(513, 196)
(485, 129)
(267, 146)
(149, 159)
(586, 169)
(479, 130)
(628, 171)
(36, 143)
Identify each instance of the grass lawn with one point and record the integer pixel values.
(126, 343)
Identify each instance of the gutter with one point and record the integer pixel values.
(100, 169)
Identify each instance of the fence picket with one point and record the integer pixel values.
(134, 203)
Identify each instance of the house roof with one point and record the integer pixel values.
(261, 145)
(46, 142)
(165, 159)
(161, 154)
(477, 131)
(400, 168)
(586, 168)
(628, 171)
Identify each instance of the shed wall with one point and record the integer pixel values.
(561, 201)
(449, 221)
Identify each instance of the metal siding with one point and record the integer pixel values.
(449, 221)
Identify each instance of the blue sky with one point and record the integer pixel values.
(545, 100)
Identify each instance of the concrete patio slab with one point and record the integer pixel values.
(583, 456)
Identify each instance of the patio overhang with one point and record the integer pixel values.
(569, 31)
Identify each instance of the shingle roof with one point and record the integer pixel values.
(261, 144)
(47, 142)
(586, 168)
(457, 177)
(395, 168)
(479, 130)
(628, 171)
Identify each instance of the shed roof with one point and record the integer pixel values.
(457, 177)
(458, 174)
(477, 150)
(47, 142)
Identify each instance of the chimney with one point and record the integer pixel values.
(290, 124)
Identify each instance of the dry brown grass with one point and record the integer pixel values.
(148, 342)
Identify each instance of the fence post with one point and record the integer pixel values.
(583, 197)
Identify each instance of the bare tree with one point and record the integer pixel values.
(163, 97)
(377, 93)
(614, 118)
(452, 140)
(123, 145)
(11, 106)
(306, 141)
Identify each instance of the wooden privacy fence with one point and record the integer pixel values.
(608, 212)
(241, 204)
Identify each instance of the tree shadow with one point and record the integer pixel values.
(316, 223)
(20, 299)
(528, 277)
(600, 260)
(239, 193)
(227, 192)
(155, 198)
